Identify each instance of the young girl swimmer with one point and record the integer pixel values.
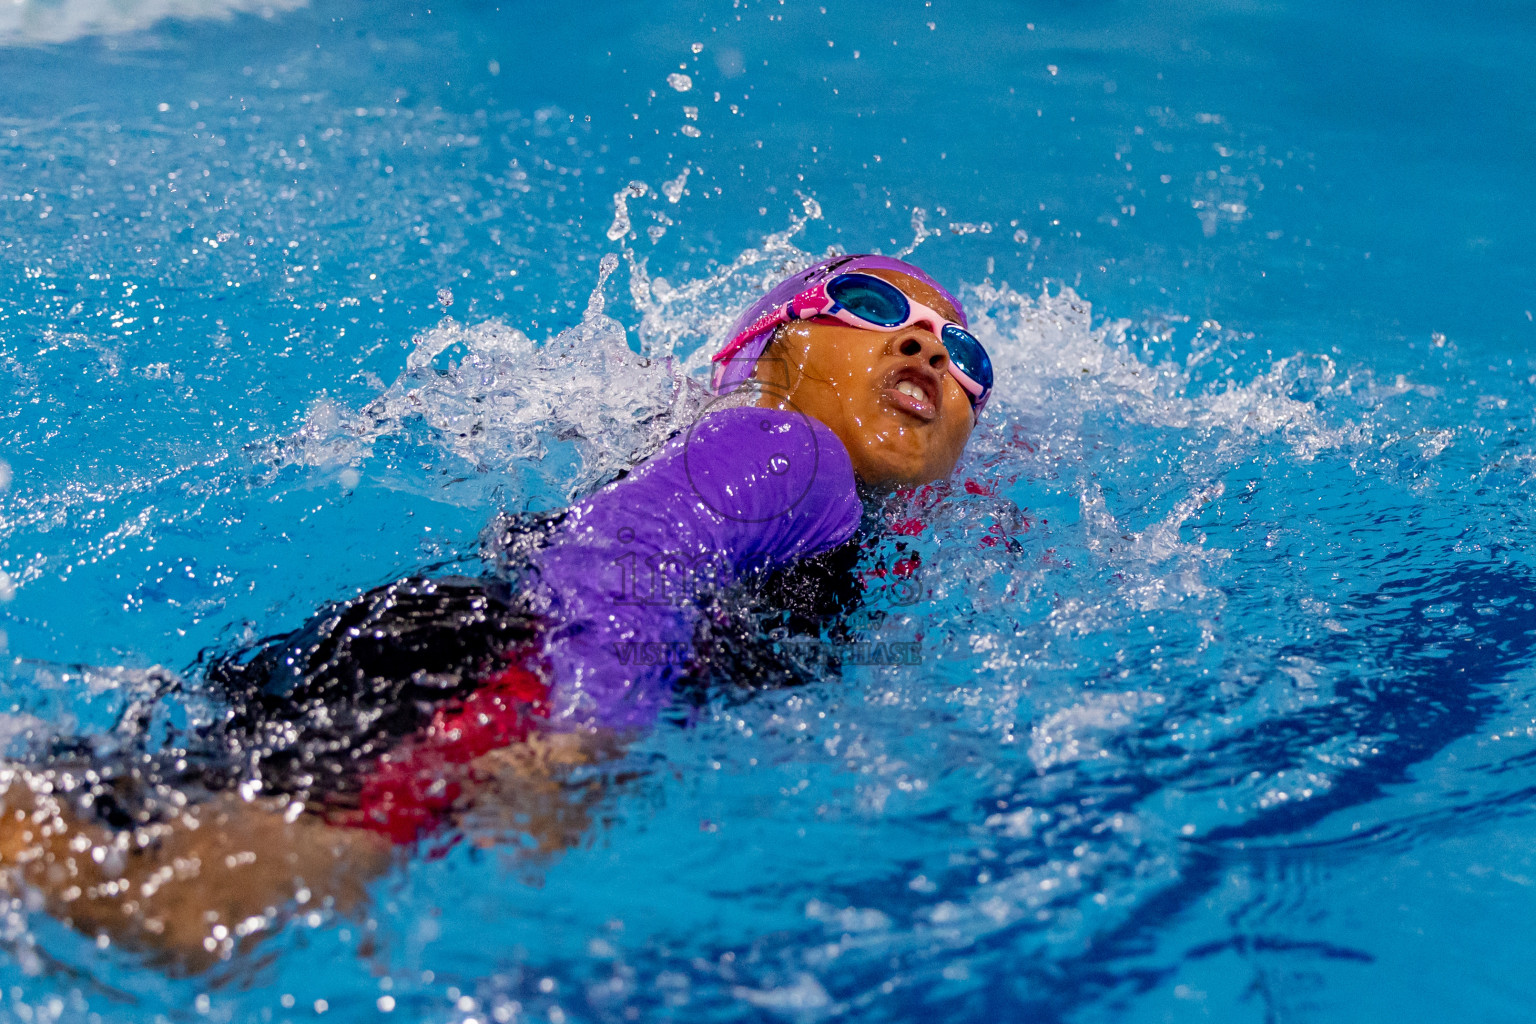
(384, 715)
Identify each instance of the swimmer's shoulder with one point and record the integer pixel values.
(808, 445)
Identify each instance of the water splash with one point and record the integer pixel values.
(920, 232)
(687, 321)
(549, 421)
(620, 226)
(595, 302)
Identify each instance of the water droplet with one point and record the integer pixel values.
(606, 266)
(620, 226)
(673, 189)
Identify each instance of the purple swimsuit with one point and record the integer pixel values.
(744, 490)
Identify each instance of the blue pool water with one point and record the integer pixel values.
(1226, 710)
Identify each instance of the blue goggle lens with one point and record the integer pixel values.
(869, 298)
(883, 304)
(966, 352)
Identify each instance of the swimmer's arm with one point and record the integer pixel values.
(225, 872)
(185, 890)
(629, 564)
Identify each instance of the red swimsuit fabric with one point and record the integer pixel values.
(414, 786)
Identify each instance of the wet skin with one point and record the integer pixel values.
(852, 380)
(226, 872)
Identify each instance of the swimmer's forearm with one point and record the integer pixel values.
(188, 889)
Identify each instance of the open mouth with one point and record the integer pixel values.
(913, 392)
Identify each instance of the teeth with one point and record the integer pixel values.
(906, 387)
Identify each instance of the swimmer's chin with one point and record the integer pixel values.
(883, 472)
(884, 484)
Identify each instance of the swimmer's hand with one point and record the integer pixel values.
(526, 790)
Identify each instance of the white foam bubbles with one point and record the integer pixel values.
(1080, 732)
(39, 22)
(804, 995)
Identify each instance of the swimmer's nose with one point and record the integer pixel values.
(924, 346)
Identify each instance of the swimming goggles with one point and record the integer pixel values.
(872, 303)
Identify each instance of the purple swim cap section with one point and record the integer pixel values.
(738, 369)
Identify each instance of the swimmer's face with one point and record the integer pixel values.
(888, 396)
